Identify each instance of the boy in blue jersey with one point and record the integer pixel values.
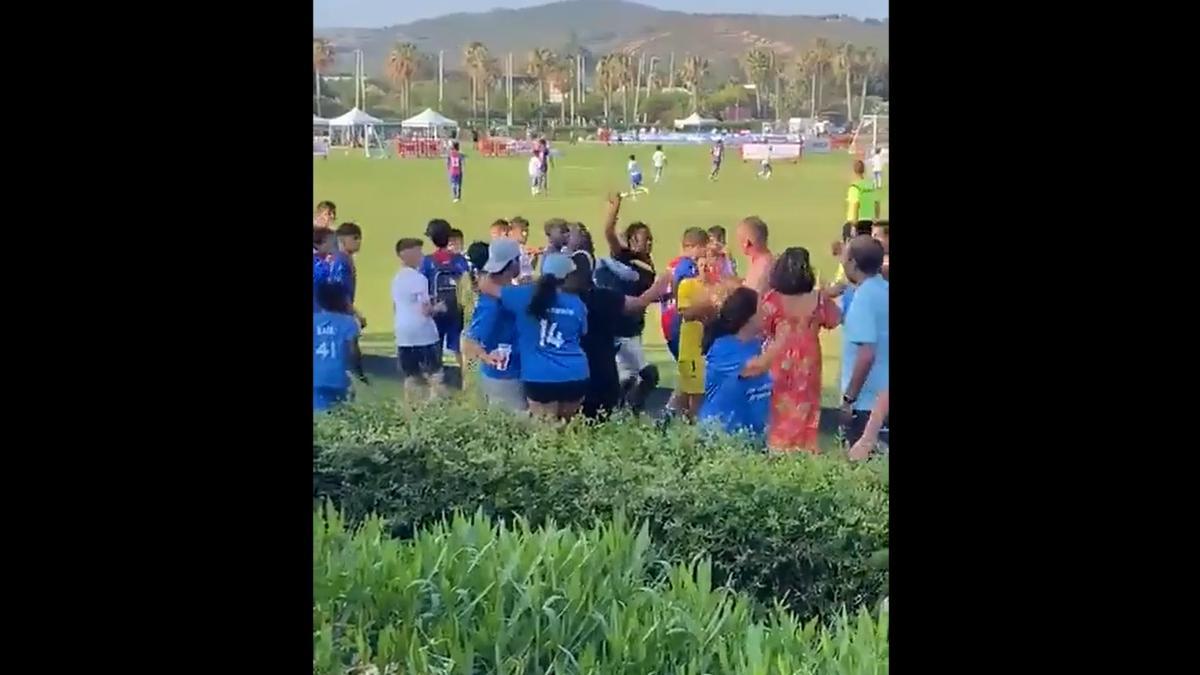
(454, 165)
(737, 379)
(635, 177)
(492, 335)
(335, 349)
(551, 323)
(324, 245)
(342, 272)
(444, 268)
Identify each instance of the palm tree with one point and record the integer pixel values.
(561, 76)
(625, 72)
(845, 64)
(475, 58)
(693, 72)
(541, 62)
(322, 59)
(608, 77)
(822, 54)
(401, 66)
(757, 64)
(868, 63)
(806, 68)
(489, 74)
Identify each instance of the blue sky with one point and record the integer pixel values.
(378, 13)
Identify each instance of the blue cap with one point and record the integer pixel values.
(557, 265)
(501, 252)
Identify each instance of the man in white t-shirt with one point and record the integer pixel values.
(660, 160)
(876, 163)
(418, 346)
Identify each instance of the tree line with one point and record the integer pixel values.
(788, 83)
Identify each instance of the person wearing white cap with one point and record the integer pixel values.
(551, 323)
(492, 334)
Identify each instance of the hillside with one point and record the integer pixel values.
(603, 26)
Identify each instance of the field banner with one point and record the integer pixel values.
(320, 146)
(821, 145)
(781, 151)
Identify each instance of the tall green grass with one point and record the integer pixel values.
(476, 596)
(810, 531)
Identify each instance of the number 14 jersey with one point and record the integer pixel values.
(550, 348)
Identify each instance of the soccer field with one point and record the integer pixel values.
(803, 204)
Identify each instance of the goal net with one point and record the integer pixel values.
(872, 132)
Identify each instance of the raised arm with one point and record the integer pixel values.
(610, 223)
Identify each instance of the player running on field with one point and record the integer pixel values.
(876, 163)
(660, 161)
(535, 174)
(764, 171)
(718, 153)
(635, 177)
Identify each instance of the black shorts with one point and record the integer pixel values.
(556, 392)
(420, 361)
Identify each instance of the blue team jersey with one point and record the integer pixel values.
(735, 403)
(550, 348)
(322, 265)
(455, 264)
(342, 274)
(496, 328)
(332, 334)
(684, 268)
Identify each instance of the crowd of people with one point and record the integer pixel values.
(558, 330)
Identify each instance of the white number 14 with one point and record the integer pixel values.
(550, 335)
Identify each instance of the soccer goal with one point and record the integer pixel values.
(872, 132)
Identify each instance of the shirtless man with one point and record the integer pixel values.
(752, 237)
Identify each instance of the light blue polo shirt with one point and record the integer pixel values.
(867, 323)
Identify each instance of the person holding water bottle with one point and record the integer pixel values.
(492, 335)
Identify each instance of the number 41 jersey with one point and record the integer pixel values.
(550, 347)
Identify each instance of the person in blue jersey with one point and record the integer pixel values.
(324, 245)
(445, 268)
(693, 244)
(492, 336)
(342, 272)
(454, 166)
(551, 323)
(737, 379)
(335, 349)
(635, 177)
(544, 156)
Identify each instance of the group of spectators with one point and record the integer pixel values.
(558, 330)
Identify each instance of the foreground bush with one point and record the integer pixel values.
(475, 597)
(810, 530)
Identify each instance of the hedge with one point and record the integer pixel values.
(812, 531)
(473, 596)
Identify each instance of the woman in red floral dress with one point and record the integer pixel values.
(794, 312)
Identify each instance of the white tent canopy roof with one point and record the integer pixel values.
(353, 118)
(319, 120)
(428, 118)
(695, 120)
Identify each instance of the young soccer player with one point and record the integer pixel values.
(335, 349)
(491, 336)
(544, 155)
(454, 165)
(499, 229)
(418, 345)
(519, 232)
(660, 161)
(764, 171)
(694, 307)
(635, 177)
(456, 241)
(694, 243)
(324, 245)
(722, 264)
(535, 174)
(877, 168)
(325, 214)
(342, 272)
(718, 153)
(444, 269)
(558, 234)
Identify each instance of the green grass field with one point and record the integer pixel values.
(803, 204)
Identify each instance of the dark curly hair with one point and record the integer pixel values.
(735, 312)
(793, 273)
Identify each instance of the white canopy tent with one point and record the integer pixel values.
(430, 120)
(696, 121)
(319, 121)
(351, 121)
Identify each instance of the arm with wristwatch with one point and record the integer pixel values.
(864, 358)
